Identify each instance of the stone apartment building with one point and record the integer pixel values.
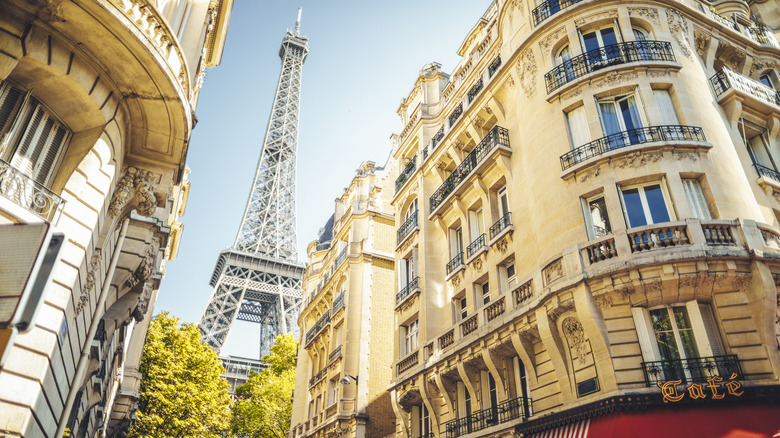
(586, 209)
(346, 318)
(97, 106)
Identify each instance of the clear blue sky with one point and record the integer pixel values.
(363, 59)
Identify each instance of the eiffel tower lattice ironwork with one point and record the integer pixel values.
(259, 278)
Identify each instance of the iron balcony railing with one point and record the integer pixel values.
(767, 172)
(549, 8)
(497, 136)
(648, 134)
(455, 263)
(697, 369)
(318, 326)
(725, 79)
(493, 67)
(475, 91)
(406, 229)
(478, 243)
(341, 257)
(456, 113)
(335, 354)
(613, 54)
(437, 137)
(407, 290)
(501, 413)
(338, 302)
(501, 225)
(405, 174)
(28, 193)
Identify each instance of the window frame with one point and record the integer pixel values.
(668, 204)
(587, 212)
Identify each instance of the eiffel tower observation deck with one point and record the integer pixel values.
(259, 278)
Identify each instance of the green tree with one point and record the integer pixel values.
(263, 404)
(183, 393)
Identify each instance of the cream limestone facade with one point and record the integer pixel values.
(97, 102)
(347, 314)
(587, 211)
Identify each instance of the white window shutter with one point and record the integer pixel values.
(21, 159)
(50, 154)
(704, 330)
(665, 106)
(644, 331)
(696, 199)
(10, 100)
(578, 126)
(414, 264)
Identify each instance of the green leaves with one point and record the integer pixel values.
(263, 405)
(182, 393)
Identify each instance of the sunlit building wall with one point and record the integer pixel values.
(586, 214)
(97, 106)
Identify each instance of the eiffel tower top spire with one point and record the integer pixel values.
(268, 225)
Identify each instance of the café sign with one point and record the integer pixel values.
(716, 388)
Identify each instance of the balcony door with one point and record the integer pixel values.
(620, 121)
(600, 47)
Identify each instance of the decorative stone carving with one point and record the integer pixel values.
(502, 245)
(634, 160)
(409, 303)
(144, 190)
(572, 94)
(678, 26)
(657, 74)
(122, 193)
(510, 81)
(518, 7)
(89, 282)
(478, 264)
(742, 281)
(590, 173)
(688, 280)
(549, 40)
(733, 57)
(553, 271)
(143, 302)
(575, 335)
(455, 281)
(760, 66)
(603, 301)
(147, 266)
(562, 308)
(487, 109)
(701, 40)
(530, 334)
(685, 155)
(614, 79)
(653, 286)
(526, 72)
(478, 121)
(612, 13)
(648, 14)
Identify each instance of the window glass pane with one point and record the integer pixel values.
(634, 210)
(665, 106)
(609, 118)
(696, 199)
(578, 126)
(599, 219)
(766, 81)
(656, 203)
(591, 41)
(664, 334)
(639, 35)
(630, 113)
(608, 36)
(759, 152)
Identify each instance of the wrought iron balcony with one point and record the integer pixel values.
(493, 67)
(697, 369)
(649, 134)
(497, 136)
(726, 79)
(338, 302)
(613, 54)
(437, 137)
(318, 326)
(405, 174)
(501, 413)
(501, 225)
(407, 290)
(341, 257)
(456, 113)
(766, 172)
(549, 8)
(478, 243)
(406, 229)
(455, 263)
(475, 91)
(335, 354)
(28, 193)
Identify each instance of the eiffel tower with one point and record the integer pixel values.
(259, 278)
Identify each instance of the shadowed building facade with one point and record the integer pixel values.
(587, 225)
(97, 102)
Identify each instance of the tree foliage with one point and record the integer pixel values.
(263, 405)
(183, 393)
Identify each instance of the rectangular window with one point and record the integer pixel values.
(645, 204)
(476, 222)
(460, 307)
(333, 391)
(755, 140)
(411, 334)
(696, 199)
(596, 217)
(578, 127)
(621, 121)
(503, 202)
(508, 276)
(483, 293)
(666, 107)
(600, 47)
(456, 241)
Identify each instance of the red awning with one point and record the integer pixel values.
(702, 421)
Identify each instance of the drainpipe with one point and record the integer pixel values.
(82, 366)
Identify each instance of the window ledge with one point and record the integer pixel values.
(476, 254)
(416, 291)
(631, 66)
(679, 147)
(460, 267)
(407, 237)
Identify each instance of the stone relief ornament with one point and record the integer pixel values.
(146, 268)
(604, 301)
(547, 42)
(518, 8)
(502, 245)
(144, 190)
(590, 173)
(456, 281)
(701, 40)
(636, 159)
(685, 155)
(142, 182)
(510, 81)
(575, 335)
(760, 66)
(553, 271)
(615, 78)
(122, 193)
(648, 14)
(143, 302)
(478, 264)
(572, 94)
(487, 109)
(596, 17)
(526, 72)
(89, 282)
(678, 26)
(652, 286)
